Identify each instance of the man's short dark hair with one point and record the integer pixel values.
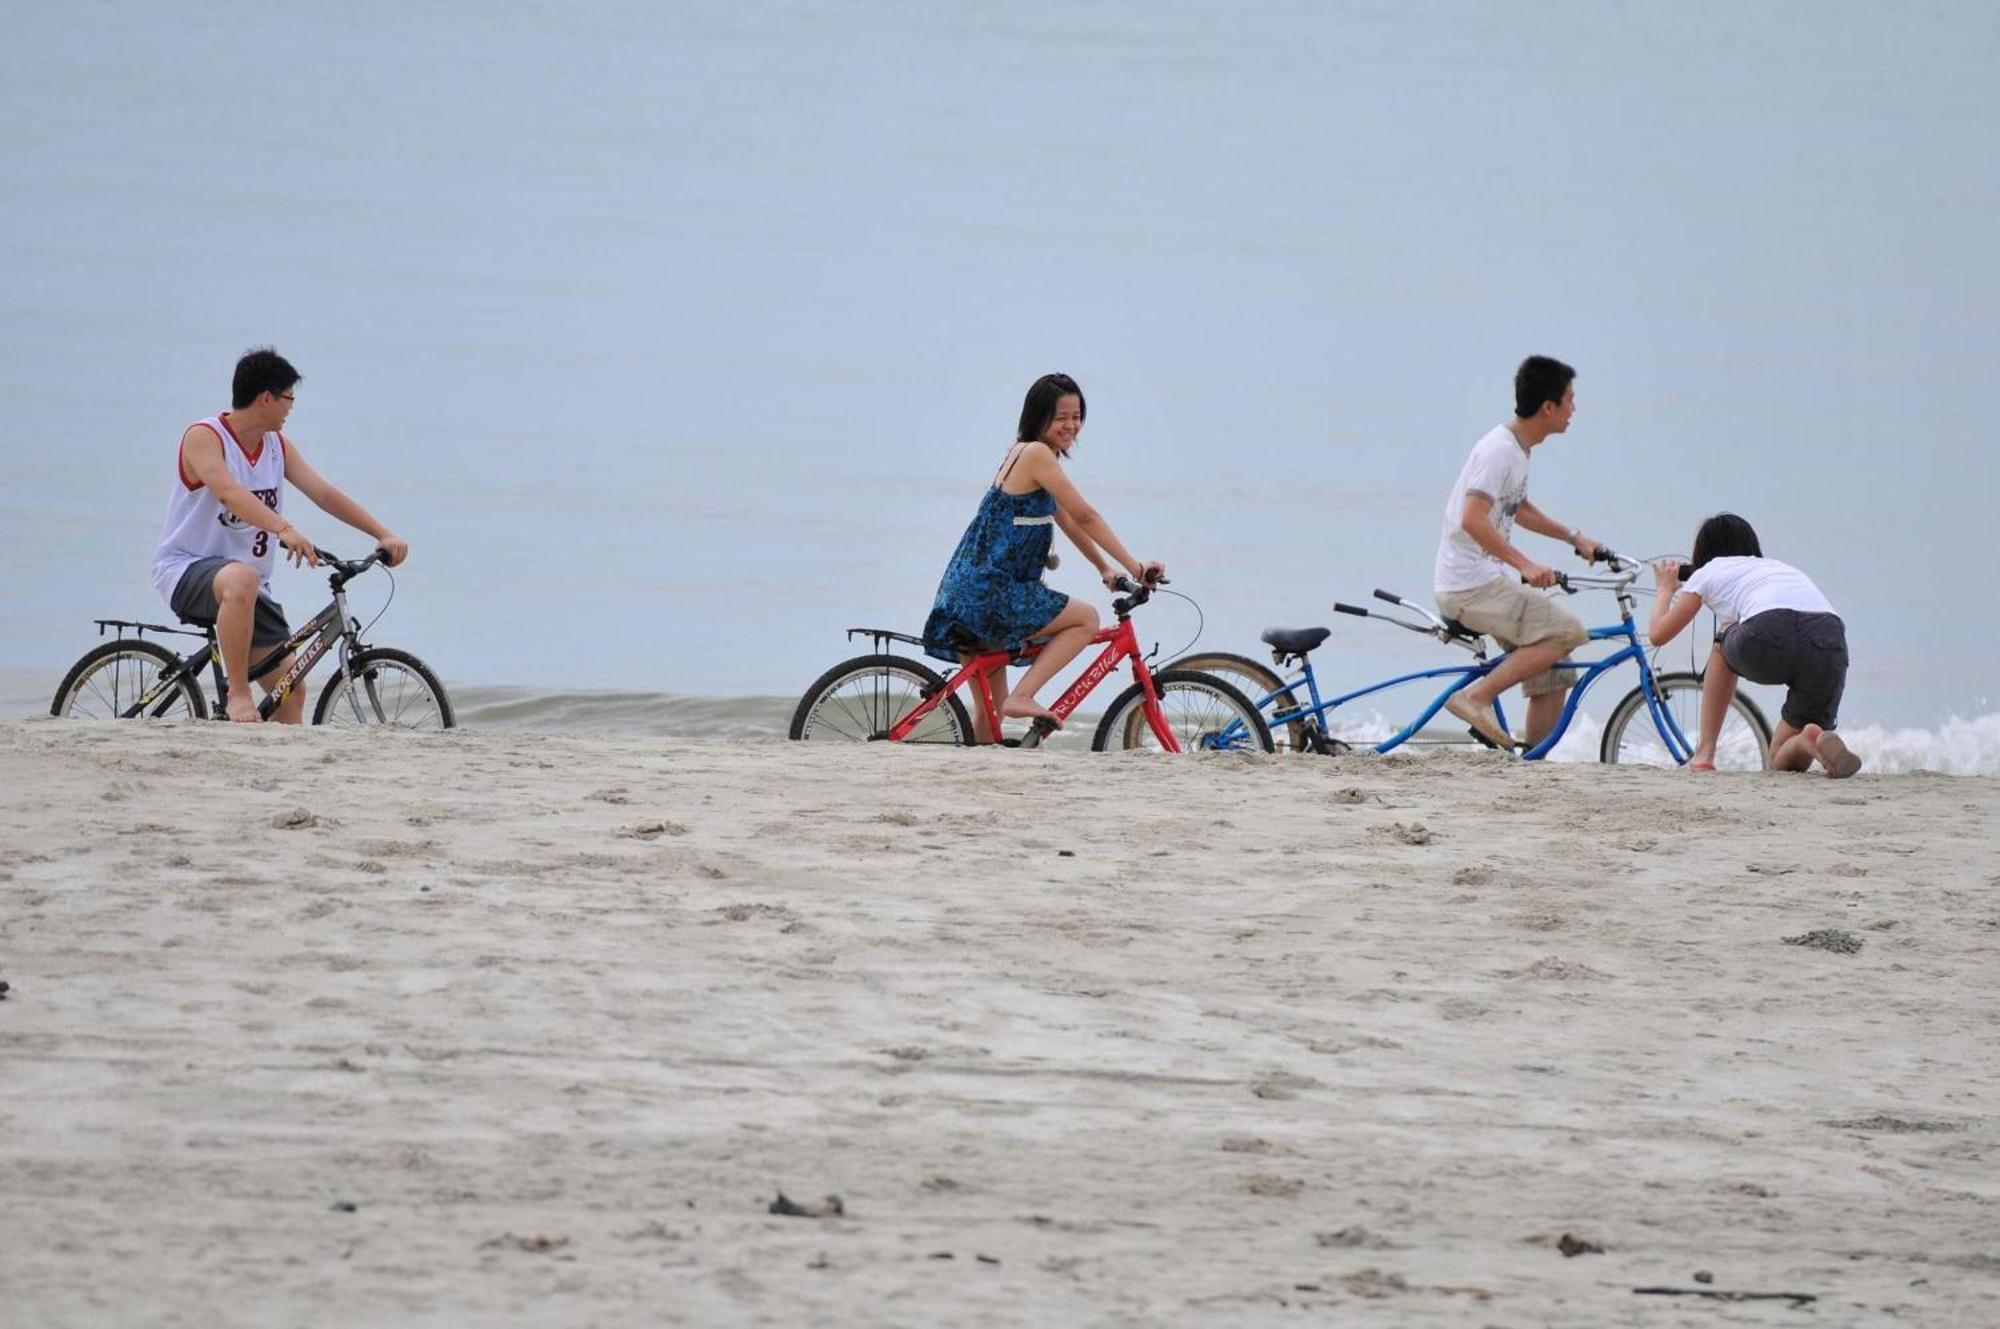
(258, 372)
(1538, 380)
(1725, 535)
(1039, 408)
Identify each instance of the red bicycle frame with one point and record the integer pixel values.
(1121, 642)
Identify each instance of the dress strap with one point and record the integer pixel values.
(1008, 470)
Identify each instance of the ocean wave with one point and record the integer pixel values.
(661, 713)
(1959, 746)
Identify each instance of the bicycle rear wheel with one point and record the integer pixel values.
(111, 679)
(1205, 714)
(860, 700)
(1632, 739)
(384, 686)
(1255, 681)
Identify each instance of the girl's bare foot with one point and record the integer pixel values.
(1027, 708)
(1702, 761)
(1831, 752)
(243, 711)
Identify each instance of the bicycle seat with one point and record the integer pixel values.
(1464, 633)
(1295, 641)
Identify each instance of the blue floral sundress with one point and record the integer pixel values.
(991, 596)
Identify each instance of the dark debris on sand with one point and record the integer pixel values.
(831, 1207)
(1827, 939)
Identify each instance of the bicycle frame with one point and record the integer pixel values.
(1120, 641)
(1463, 675)
(328, 626)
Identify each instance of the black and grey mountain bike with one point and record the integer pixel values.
(131, 677)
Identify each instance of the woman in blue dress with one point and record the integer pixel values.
(991, 596)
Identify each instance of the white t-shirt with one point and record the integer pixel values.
(1498, 470)
(1742, 588)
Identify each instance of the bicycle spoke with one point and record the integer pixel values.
(867, 701)
(1635, 738)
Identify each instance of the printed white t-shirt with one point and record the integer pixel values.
(1742, 588)
(1497, 469)
(198, 526)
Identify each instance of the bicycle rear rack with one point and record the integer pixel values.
(883, 636)
(140, 629)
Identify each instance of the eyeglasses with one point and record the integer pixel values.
(286, 396)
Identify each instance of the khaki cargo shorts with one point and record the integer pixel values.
(1516, 615)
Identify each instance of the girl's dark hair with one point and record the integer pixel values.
(1040, 407)
(1725, 535)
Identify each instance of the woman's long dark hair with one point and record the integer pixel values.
(1040, 407)
(1725, 535)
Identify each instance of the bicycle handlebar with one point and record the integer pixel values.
(1135, 594)
(347, 569)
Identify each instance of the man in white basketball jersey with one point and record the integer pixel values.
(226, 521)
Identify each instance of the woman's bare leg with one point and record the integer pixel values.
(1068, 633)
(1718, 689)
(996, 678)
(1789, 749)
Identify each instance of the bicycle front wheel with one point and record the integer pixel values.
(1633, 739)
(860, 700)
(115, 677)
(383, 686)
(1254, 680)
(1205, 714)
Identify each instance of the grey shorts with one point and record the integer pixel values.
(1806, 654)
(194, 601)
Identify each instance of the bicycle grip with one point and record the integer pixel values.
(1686, 571)
(1340, 608)
(1389, 596)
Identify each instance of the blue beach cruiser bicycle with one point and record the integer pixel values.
(1652, 725)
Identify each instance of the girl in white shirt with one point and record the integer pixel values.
(1777, 630)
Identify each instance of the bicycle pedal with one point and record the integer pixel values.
(1040, 729)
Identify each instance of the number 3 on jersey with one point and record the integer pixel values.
(262, 543)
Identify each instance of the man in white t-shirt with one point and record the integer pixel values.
(225, 526)
(1480, 572)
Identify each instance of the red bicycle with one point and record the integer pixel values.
(887, 697)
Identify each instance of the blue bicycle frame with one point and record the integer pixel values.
(1663, 720)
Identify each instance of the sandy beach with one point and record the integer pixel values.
(308, 1028)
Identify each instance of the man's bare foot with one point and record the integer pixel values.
(1027, 708)
(1831, 752)
(243, 714)
(1480, 718)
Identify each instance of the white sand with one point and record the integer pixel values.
(1346, 1041)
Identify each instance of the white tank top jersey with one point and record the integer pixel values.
(197, 524)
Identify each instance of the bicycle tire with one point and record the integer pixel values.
(882, 690)
(1745, 731)
(1262, 681)
(372, 668)
(80, 696)
(1222, 707)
